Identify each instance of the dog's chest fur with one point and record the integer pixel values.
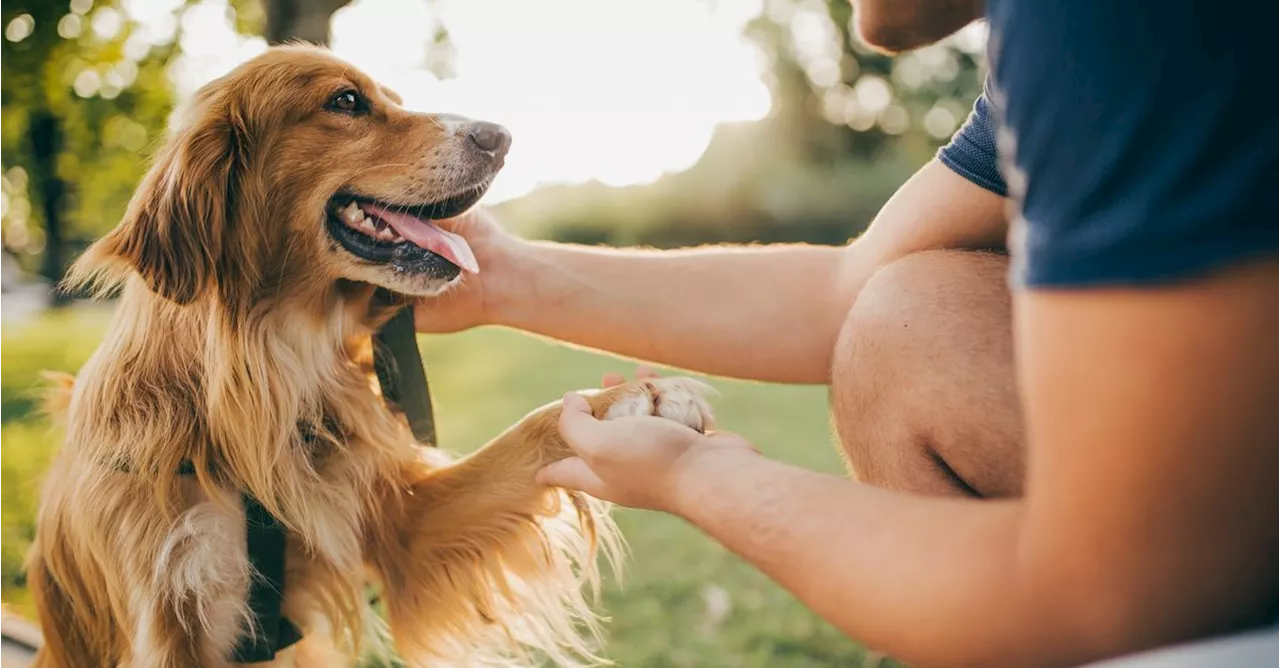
(315, 451)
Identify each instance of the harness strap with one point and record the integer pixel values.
(265, 544)
(271, 631)
(403, 377)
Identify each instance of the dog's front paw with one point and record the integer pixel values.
(675, 398)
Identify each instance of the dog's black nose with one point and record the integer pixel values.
(490, 138)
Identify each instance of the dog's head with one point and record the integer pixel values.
(297, 170)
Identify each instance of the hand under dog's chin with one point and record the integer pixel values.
(405, 283)
(421, 287)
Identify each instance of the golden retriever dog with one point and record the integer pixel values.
(253, 262)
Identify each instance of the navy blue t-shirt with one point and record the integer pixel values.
(972, 153)
(1134, 136)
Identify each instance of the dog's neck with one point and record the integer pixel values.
(261, 402)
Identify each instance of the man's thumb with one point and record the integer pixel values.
(577, 424)
(571, 473)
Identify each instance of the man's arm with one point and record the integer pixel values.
(765, 313)
(1150, 515)
(901, 25)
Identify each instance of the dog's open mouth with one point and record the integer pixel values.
(403, 235)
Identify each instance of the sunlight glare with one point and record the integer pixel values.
(614, 91)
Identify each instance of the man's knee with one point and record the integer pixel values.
(928, 286)
(900, 320)
(872, 362)
(920, 327)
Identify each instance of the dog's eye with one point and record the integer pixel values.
(347, 102)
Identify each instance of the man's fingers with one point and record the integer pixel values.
(571, 473)
(643, 372)
(460, 220)
(579, 428)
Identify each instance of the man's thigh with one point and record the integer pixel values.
(923, 392)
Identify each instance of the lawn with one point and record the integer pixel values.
(684, 601)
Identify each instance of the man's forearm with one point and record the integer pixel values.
(761, 312)
(766, 313)
(932, 581)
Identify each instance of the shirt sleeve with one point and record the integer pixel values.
(972, 151)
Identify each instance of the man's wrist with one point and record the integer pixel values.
(697, 474)
(509, 289)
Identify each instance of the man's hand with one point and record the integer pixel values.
(469, 303)
(632, 461)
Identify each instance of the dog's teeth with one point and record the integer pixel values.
(387, 234)
(366, 225)
(352, 214)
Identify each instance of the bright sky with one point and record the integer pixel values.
(618, 91)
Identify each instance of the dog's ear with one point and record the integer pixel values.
(177, 232)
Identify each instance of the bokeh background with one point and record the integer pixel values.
(663, 123)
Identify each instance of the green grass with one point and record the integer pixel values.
(670, 608)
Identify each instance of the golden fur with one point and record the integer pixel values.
(242, 343)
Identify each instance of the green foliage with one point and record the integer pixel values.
(684, 600)
(57, 342)
(99, 79)
(839, 99)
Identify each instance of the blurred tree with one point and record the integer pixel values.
(306, 20)
(846, 127)
(83, 90)
(838, 99)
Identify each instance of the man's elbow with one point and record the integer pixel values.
(1069, 630)
(1112, 612)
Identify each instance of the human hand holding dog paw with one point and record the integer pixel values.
(641, 461)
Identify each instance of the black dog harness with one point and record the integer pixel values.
(400, 372)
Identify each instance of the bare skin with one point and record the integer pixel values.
(922, 389)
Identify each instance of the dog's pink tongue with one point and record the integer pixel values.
(423, 234)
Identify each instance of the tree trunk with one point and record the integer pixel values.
(46, 144)
(306, 20)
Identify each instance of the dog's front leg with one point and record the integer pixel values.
(479, 559)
